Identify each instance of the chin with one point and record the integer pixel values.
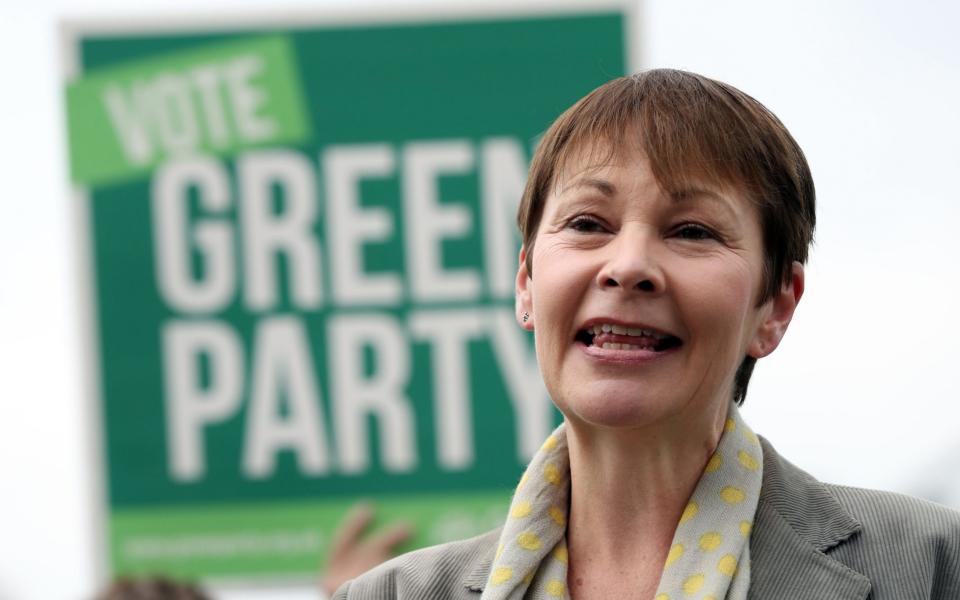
(615, 411)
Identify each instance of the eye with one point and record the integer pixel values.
(586, 224)
(695, 231)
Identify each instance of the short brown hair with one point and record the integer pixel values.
(692, 128)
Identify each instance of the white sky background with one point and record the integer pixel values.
(863, 390)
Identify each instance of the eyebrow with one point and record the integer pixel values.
(688, 195)
(694, 193)
(601, 185)
(684, 195)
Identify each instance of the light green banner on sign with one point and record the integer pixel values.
(125, 120)
(244, 540)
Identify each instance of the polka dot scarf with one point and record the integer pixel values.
(709, 557)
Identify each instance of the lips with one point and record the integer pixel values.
(616, 336)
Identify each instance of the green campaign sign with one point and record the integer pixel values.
(301, 250)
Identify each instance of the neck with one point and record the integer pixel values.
(642, 480)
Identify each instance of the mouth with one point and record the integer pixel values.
(610, 336)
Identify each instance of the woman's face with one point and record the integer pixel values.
(644, 305)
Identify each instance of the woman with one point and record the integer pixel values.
(665, 224)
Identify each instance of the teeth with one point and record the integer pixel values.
(613, 346)
(631, 331)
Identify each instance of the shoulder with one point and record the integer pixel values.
(882, 514)
(891, 511)
(890, 518)
(906, 547)
(452, 570)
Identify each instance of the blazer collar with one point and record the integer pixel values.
(798, 522)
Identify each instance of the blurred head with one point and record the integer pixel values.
(695, 132)
(151, 588)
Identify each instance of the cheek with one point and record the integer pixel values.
(554, 308)
(557, 282)
(722, 300)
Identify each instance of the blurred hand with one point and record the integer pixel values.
(352, 553)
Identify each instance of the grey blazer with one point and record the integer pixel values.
(810, 541)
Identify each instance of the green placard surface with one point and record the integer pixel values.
(301, 255)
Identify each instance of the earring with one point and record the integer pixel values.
(526, 317)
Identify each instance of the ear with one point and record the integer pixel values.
(777, 314)
(524, 293)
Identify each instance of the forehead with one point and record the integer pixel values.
(589, 164)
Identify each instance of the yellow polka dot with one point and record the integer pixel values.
(528, 541)
(550, 443)
(556, 588)
(521, 509)
(523, 480)
(556, 513)
(528, 578)
(689, 512)
(713, 464)
(710, 541)
(727, 565)
(501, 575)
(730, 425)
(693, 584)
(751, 436)
(551, 473)
(745, 527)
(676, 551)
(561, 554)
(662, 597)
(732, 495)
(499, 552)
(747, 460)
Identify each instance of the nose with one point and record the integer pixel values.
(631, 264)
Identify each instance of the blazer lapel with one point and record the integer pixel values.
(798, 522)
(478, 573)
